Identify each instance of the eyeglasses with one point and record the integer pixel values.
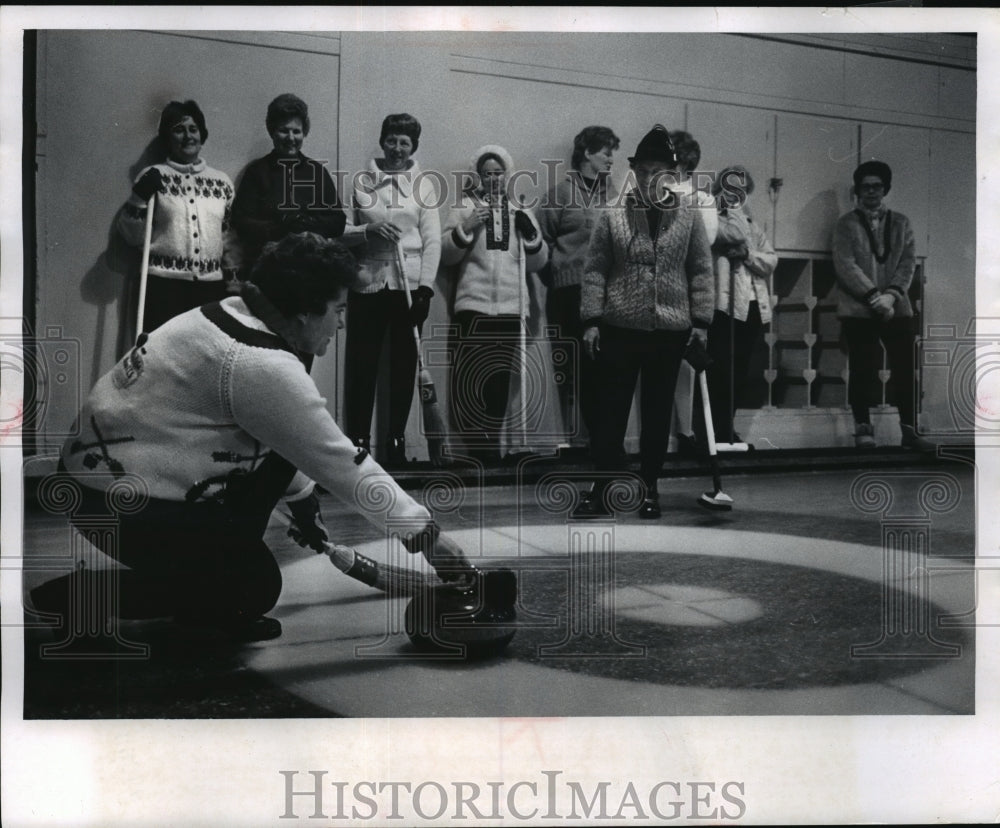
(873, 188)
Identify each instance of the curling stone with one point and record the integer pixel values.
(480, 616)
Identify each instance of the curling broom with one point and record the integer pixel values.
(144, 271)
(395, 580)
(434, 428)
(716, 499)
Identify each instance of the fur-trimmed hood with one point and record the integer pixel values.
(490, 149)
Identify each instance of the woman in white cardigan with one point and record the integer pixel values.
(394, 220)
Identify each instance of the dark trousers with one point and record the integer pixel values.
(574, 369)
(369, 317)
(167, 298)
(863, 337)
(730, 345)
(652, 358)
(202, 563)
(486, 355)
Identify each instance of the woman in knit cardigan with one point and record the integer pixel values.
(494, 245)
(394, 217)
(194, 251)
(648, 289)
(874, 255)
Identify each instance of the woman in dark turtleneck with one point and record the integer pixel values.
(285, 192)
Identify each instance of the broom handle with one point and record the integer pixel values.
(522, 270)
(144, 271)
(706, 408)
(409, 304)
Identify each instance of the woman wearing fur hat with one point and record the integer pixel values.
(194, 251)
(395, 218)
(874, 255)
(493, 244)
(648, 288)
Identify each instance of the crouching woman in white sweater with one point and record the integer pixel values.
(213, 413)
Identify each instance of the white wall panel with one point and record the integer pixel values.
(815, 160)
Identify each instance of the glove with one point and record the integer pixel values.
(150, 182)
(307, 529)
(420, 304)
(442, 553)
(696, 354)
(524, 226)
(738, 251)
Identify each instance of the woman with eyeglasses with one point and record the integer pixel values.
(874, 255)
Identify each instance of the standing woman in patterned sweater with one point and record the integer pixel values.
(494, 245)
(648, 289)
(193, 250)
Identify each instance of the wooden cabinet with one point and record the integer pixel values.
(805, 363)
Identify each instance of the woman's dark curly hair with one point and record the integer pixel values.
(175, 112)
(302, 272)
(592, 139)
(687, 149)
(284, 108)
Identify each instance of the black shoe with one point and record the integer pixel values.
(912, 440)
(590, 507)
(395, 457)
(650, 509)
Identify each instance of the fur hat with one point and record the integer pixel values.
(876, 168)
(655, 146)
(493, 150)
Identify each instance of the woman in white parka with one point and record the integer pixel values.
(493, 244)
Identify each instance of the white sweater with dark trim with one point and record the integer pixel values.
(204, 400)
(488, 261)
(192, 236)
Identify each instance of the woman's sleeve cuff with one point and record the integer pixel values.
(460, 238)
